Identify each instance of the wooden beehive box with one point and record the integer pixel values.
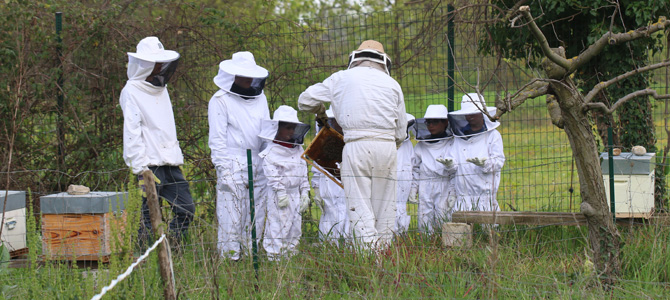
(81, 227)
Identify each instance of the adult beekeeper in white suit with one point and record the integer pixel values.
(405, 180)
(235, 115)
(287, 195)
(432, 181)
(476, 156)
(150, 135)
(369, 106)
(329, 196)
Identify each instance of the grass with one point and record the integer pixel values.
(516, 263)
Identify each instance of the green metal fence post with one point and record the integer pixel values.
(252, 209)
(610, 162)
(450, 58)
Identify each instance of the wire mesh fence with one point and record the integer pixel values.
(539, 172)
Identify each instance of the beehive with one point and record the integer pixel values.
(14, 228)
(633, 184)
(80, 227)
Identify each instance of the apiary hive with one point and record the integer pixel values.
(14, 228)
(81, 227)
(633, 184)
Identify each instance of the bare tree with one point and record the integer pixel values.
(568, 108)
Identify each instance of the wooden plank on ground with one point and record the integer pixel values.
(544, 218)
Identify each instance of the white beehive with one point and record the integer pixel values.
(14, 229)
(633, 184)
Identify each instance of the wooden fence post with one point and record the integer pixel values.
(158, 228)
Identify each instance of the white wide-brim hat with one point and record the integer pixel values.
(243, 64)
(436, 111)
(151, 49)
(473, 103)
(286, 113)
(410, 117)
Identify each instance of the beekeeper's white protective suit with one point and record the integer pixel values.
(334, 221)
(287, 194)
(370, 107)
(150, 135)
(235, 116)
(405, 178)
(431, 179)
(149, 130)
(478, 157)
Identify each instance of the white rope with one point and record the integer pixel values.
(129, 270)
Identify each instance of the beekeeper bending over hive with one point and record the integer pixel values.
(370, 107)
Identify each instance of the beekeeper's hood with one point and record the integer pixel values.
(434, 113)
(284, 128)
(373, 51)
(250, 76)
(410, 125)
(465, 121)
(150, 51)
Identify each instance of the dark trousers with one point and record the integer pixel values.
(173, 188)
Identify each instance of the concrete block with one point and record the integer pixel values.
(456, 235)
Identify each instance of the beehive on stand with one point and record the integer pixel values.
(81, 227)
(633, 183)
(14, 227)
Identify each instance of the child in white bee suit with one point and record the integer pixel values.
(431, 179)
(329, 196)
(235, 115)
(405, 178)
(287, 195)
(476, 156)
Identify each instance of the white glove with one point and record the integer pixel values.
(448, 163)
(304, 202)
(317, 198)
(225, 178)
(282, 199)
(413, 196)
(477, 161)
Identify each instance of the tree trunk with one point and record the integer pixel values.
(604, 237)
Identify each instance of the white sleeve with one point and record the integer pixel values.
(217, 116)
(496, 159)
(304, 185)
(313, 98)
(416, 169)
(274, 173)
(401, 126)
(134, 149)
(316, 177)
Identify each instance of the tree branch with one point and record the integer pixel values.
(646, 92)
(535, 88)
(542, 40)
(610, 38)
(600, 86)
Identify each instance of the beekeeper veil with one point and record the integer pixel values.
(469, 120)
(434, 125)
(411, 129)
(285, 128)
(371, 51)
(241, 76)
(152, 62)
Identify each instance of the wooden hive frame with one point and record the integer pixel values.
(322, 153)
